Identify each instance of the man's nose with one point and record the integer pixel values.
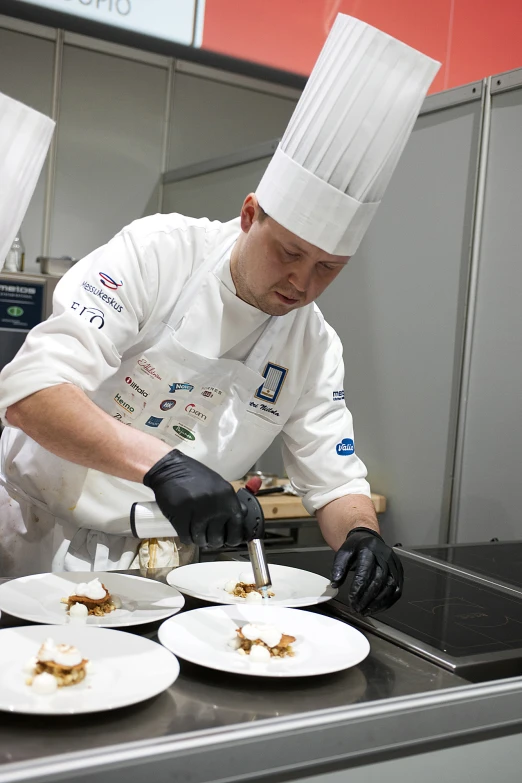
(300, 276)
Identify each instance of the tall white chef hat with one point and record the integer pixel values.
(346, 135)
(25, 135)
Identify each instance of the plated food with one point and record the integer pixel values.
(73, 669)
(261, 642)
(89, 598)
(264, 641)
(55, 666)
(232, 582)
(244, 586)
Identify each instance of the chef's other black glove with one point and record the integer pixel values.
(378, 577)
(201, 506)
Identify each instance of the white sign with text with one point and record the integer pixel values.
(174, 20)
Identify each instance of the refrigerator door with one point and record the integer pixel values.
(25, 301)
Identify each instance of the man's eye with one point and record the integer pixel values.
(290, 254)
(330, 267)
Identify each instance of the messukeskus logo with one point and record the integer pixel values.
(108, 282)
(345, 447)
(91, 289)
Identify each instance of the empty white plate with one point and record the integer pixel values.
(323, 645)
(37, 598)
(291, 586)
(125, 669)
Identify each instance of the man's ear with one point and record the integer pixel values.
(248, 212)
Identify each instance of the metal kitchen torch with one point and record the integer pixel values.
(255, 523)
(146, 520)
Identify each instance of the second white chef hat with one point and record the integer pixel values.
(25, 135)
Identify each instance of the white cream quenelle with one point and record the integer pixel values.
(259, 654)
(44, 684)
(78, 613)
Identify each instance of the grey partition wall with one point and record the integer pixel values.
(399, 309)
(218, 146)
(216, 188)
(109, 149)
(211, 118)
(489, 471)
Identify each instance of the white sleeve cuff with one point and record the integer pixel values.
(314, 500)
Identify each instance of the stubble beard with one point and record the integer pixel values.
(263, 302)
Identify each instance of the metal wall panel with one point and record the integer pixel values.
(218, 195)
(210, 118)
(26, 74)
(491, 471)
(399, 311)
(109, 152)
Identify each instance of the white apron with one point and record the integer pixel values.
(197, 404)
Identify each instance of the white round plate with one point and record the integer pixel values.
(323, 645)
(37, 598)
(292, 587)
(125, 669)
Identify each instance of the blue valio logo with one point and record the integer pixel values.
(345, 447)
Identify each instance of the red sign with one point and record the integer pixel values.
(472, 38)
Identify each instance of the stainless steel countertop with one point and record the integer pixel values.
(202, 705)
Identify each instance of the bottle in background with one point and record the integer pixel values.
(15, 259)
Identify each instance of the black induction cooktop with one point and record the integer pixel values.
(497, 560)
(469, 627)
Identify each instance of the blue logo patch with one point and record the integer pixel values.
(275, 377)
(153, 421)
(345, 447)
(338, 395)
(167, 405)
(180, 387)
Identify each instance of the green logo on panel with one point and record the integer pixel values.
(183, 432)
(15, 311)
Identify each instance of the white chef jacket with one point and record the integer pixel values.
(116, 301)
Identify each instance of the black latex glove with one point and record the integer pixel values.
(379, 576)
(201, 506)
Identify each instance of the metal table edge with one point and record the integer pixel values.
(298, 742)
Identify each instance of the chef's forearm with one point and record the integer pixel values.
(337, 518)
(67, 423)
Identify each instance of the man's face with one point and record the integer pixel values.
(276, 271)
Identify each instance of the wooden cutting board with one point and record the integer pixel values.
(291, 506)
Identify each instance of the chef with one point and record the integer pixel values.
(179, 350)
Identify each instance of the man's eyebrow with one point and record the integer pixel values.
(293, 245)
